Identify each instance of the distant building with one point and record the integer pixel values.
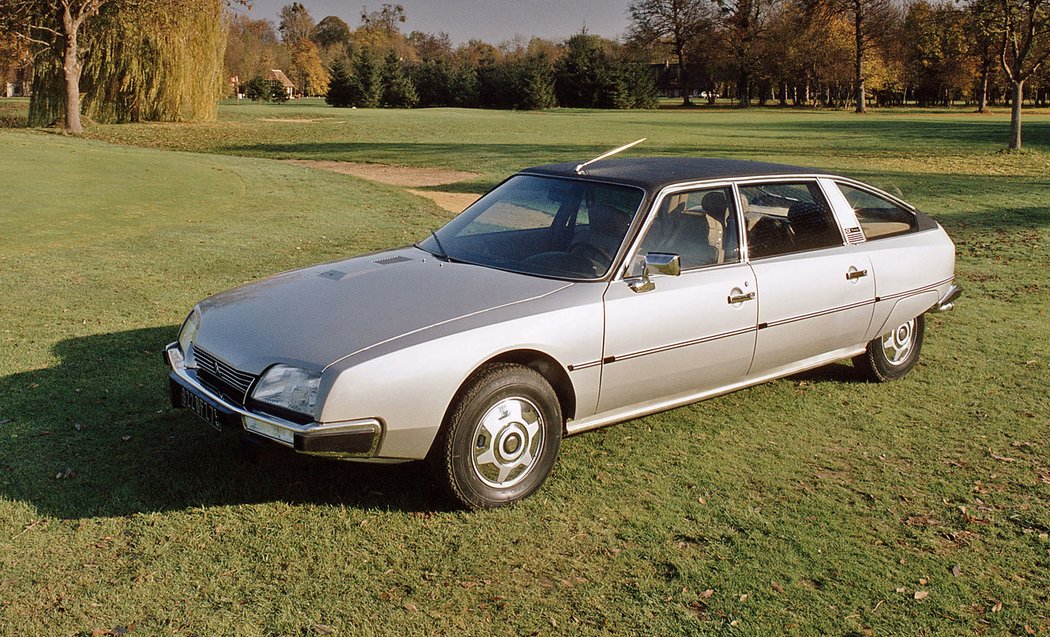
(276, 77)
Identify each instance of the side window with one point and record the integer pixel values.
(699, 226)
(878, 217)
(783, 218)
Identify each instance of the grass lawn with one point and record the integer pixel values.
(812, 505)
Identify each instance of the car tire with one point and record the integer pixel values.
(894, 354)
(500, 439)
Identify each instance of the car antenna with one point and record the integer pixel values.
(580, 167)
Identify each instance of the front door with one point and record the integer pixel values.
(689, 333)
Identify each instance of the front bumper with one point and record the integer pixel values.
(348, 439)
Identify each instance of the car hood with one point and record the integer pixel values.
(317, 315)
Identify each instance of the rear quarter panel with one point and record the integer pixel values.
(912, 272)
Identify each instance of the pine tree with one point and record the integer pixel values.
(367, 83)
(341, 86)
(398, 91)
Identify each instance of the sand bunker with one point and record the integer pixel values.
(451, 201)
(405, 176)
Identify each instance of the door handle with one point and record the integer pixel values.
(740, 298)
(856, 274)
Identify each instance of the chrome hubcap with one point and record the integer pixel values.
(507, 442)
(897, 344)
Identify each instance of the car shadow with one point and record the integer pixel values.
(833, 373)
(95, 435)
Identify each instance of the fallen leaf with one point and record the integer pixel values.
(324, 629)
(957, 570)
(1029, 630)
(702, 500)
(777, 587)
(743, 597)
(1001, 458)
(707, 594)
(922, 581)
(901, 589)
(998, 607)
(734, 623)
(921, 595)
(125, 438)
(409, 606)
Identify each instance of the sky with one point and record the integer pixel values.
(492, 21)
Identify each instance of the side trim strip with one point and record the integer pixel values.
(802, 317)
(695, 341)
(925, 288)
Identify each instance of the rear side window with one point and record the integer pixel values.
(783, 218)
(878, 217)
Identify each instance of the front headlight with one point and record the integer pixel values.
(189, 330)
(290, 388)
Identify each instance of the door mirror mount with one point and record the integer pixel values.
(665, 263)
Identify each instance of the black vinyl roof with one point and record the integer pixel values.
(653, 173)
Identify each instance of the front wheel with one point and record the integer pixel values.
(501, 438)
(893, 354)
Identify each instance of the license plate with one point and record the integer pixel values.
(201, 407)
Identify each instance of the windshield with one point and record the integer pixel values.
(548, 226)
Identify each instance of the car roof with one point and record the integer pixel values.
(654, 173)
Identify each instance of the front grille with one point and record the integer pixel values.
(222, 376)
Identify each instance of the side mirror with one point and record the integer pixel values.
(665, 263)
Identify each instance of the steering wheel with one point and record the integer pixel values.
(590, 251)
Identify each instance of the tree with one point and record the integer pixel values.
(938, 62)
(331, 31)
(296, 24)
(367, 85)
(278, 93)
(681, 22)
(308, 72)
(1024, 48)
(743, 22)
(431, 47)
(57, 23)
(981, 28)
(252, 48)
(257, 89)
(385, 19)
(868, 19)
(398, 91)
(341, 87)
(577, 76)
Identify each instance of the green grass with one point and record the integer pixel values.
(823, 499)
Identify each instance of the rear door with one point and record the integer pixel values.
(815, 292)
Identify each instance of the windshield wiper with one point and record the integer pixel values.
(441, 254)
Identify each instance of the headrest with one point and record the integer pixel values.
(714, 203)
(806, 215)
(675, 204)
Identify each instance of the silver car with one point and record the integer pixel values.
(569, 297)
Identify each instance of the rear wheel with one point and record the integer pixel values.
(501, 438)
(892, 355)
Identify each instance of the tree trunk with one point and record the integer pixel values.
(683, 73)
(858, 59)
(71, 68)
(783, 93)
(1016, 97)
(982, 89)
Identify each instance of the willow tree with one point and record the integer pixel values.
(55, 27)
(131, 60)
